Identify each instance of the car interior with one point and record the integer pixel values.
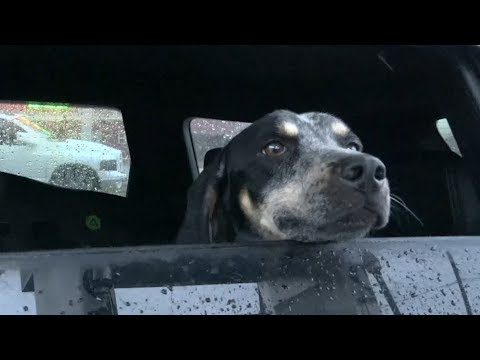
(391, 96)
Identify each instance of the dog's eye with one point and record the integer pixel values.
(274, 149)
(353, 146)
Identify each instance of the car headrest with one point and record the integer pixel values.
(210, 156)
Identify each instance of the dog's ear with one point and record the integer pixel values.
(204, 202)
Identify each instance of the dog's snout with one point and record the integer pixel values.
(380, 171)
(361, 170)
(353, 172)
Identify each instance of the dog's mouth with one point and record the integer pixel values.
(363, 217)
(379, 222)
(354, 224)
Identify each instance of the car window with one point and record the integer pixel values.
(446, 133)
(208, 134)
(8, 132)
(76, 147)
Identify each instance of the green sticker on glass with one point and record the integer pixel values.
(93, 222)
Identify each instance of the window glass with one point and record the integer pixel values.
(77, 147)
(209, 134)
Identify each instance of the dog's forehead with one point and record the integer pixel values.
(312, 129)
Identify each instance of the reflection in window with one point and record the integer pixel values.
(78, 147)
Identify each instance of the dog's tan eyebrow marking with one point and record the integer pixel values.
(288, 129)
(340, 128)
(246, 203)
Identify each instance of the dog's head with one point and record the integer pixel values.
(290, 176)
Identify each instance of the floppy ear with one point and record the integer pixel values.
(204, 202)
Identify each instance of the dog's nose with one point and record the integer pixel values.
(363, 170)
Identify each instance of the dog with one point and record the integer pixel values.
(301, 177)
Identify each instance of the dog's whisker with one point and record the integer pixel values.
(398, 198)
(404, 206)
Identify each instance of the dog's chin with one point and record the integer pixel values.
(350, 226)
(334, 234)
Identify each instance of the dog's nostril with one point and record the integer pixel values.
(353, 173)
(380, 173)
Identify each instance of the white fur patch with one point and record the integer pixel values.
(288, 129)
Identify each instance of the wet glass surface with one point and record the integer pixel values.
(76, 147)
(370, 276)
